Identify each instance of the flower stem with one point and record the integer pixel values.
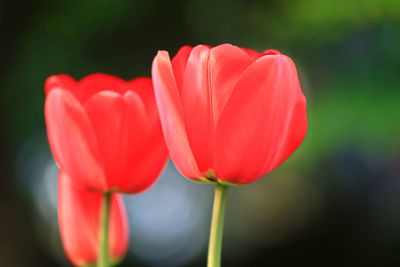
(103, 257)
(217, 226)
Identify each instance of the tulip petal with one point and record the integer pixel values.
(179, 64)
(119, 229)
(271, 52)
(148, 164)
(97, 82)
(209, 79)
(72, 140)
(195, 97)
(255, 54)
(78, 215)
(152, 157)
(252, 53)
(144, 88)
(120, 125)
(171, 115)
(256, 120)
(61, 81)
(293, 135)
(226, 64)
(79, 219)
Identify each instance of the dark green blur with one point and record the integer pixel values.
(336, 202)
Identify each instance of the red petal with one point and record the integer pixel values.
(79, 218)
(209, 79)
(61, 81)
(255, 54)
(179, 64)
(252, 53)
(226, 65)
(256, 120)
(72, 139)
(119, 229)
(94, 83)
(150, 161)
(171, 116)
(144, 88)
(195, 96)
(120, 125)
(271, 52)
(148, 164)
(294, 134)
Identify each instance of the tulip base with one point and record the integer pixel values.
(103, 255)
(217, 226)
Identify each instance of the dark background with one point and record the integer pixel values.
(336, 202)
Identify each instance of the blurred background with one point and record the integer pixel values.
(336, 202)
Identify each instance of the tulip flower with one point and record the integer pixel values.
(79, 214)
(105, 132)
(229, 115)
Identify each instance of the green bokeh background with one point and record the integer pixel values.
(345, 178)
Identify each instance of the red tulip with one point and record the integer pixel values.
(105, 132)
(79, 215)
(229, 114)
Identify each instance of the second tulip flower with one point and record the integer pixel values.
(105, 132)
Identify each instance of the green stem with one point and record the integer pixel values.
(217, 226)
(103, 257)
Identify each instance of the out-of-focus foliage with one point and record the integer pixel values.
(335, 202)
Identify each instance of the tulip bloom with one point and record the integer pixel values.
(79, 214)
(105, 132)
(229, 115)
